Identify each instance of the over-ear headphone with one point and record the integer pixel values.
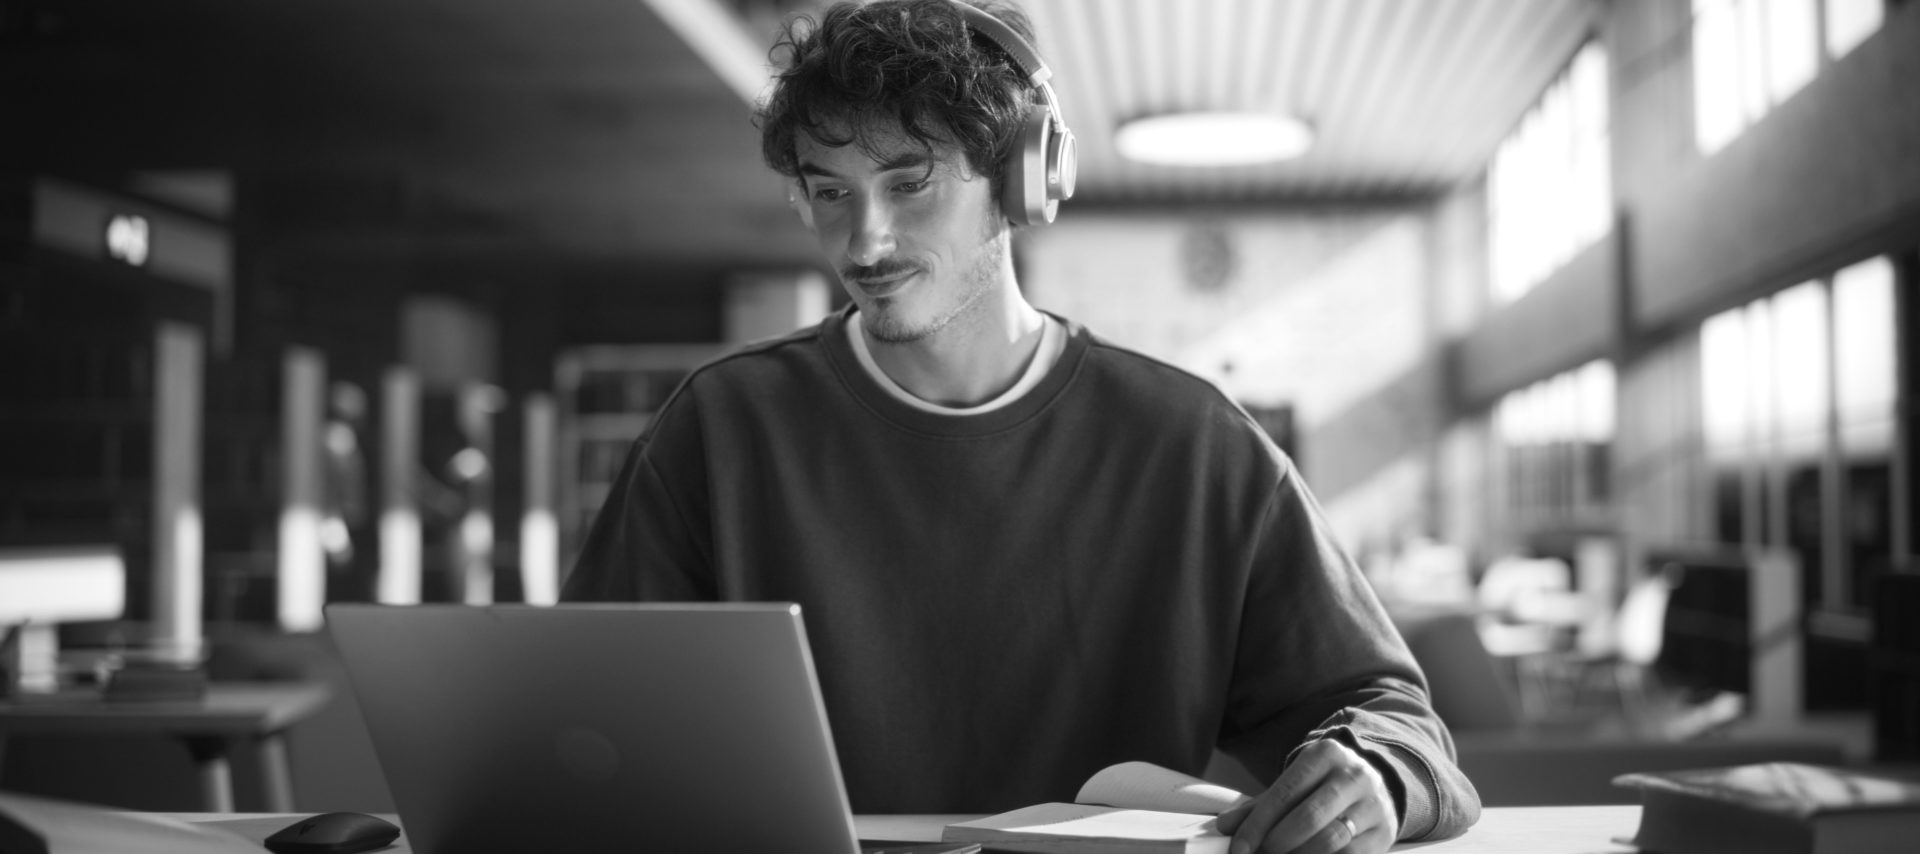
(1041, 169)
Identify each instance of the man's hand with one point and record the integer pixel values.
(1331, 799)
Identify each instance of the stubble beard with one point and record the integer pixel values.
(888, 327)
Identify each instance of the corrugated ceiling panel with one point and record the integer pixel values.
(1409, 97)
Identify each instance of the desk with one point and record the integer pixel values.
(230, 714)
(1502, 830)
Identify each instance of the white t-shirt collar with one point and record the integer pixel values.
(1053, 342)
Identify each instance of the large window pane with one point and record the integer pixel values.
(1849, 22)
(1595, 382)
(1726, 423)
(1800, 328)
(1865, 354)
(1752, 29)
(1864, 349)
(1596, 385)
(1793, 46)
(1723, 383)
(1716, 75)
(1800, 364)
(1548, 186)
(1758, 497)
(1556, 439)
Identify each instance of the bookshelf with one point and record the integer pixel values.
(1895, 659)
(607, 395)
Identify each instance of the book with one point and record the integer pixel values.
(1774, 808)
(1132, 806)
(34, 825)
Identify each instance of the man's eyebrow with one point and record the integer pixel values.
(907, 159)
(812, 169)
(903, 160)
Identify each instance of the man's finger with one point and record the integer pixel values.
(1344, 791)
(1331, 838)
(1338, 837)
(1231, 819)
(1298, 781)
(1316, 815)
(1261, 815)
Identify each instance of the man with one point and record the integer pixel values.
(1023, 552)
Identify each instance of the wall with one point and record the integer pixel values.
(1328, 312)
(1827, 177)
(1569, 319)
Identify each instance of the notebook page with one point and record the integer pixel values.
(1146, 786)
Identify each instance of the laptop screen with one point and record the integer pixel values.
(598, 727)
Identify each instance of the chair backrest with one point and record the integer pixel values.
(1637, 631)
(1469, 689)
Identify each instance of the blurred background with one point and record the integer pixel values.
(1588, 321)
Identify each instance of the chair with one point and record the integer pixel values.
(1527, 609)
(1468, 689)
(1523, 604)
(1620, 659)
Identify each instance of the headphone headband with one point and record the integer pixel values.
(1042, 169)
(1001, 33)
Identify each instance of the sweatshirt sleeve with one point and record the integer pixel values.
(1318, 658)
(650, 539)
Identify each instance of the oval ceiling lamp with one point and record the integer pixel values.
(1214, 138)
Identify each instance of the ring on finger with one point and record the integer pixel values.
(1352, 832)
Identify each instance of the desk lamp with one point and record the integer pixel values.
(42, 587)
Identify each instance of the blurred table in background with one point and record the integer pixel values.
(230, 714)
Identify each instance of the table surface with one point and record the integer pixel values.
(1502, 830)
(229, 708)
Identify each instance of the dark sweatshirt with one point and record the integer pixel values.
(1117, 565)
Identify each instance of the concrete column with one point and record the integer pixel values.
(400, 537)
(179, 367)
(539, 525)
(302, 565)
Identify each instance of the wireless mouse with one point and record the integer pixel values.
(333, 833)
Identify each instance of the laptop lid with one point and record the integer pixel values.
(603, 727)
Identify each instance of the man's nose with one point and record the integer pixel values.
(872, 237)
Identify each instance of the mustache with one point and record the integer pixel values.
(889, 267)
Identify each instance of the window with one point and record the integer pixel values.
(1798, 414)
(1849, 22)
(1750, 55)
(1557, 435)
(1549, 189)
(1864, 357)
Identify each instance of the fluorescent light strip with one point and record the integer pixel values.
(721, 38)
(1214, 139)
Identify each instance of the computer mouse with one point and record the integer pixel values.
(333, 833)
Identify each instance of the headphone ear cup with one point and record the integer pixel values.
(1024, 197)
(1063, 165)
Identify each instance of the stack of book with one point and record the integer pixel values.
(1775, 808)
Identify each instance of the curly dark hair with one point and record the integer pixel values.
(864, 72)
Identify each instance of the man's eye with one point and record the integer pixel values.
(910, 186)
(829, 194)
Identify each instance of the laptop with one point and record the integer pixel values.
(602, 727)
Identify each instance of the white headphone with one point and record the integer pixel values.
(1041, 169)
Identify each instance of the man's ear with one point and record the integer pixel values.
(797, 199)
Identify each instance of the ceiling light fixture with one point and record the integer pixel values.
(1214, 138)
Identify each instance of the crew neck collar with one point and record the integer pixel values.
(1046, 351)
(943, 421)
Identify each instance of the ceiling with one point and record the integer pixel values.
(1407, 97)
(614, 134)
